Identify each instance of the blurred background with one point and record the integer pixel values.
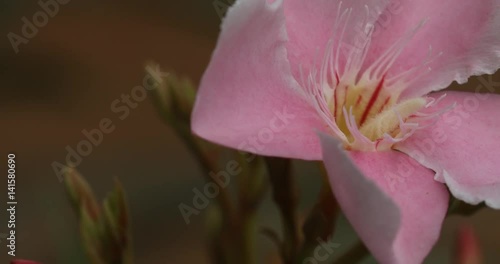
(64, 79)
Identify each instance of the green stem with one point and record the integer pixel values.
(178, 118)
(182, 129)
(248, 238)
(208, 166)
(251, 190)
(320, 223)
(285, 194)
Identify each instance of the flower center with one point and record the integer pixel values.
(370, 112)
(368, 115)
(359, 103)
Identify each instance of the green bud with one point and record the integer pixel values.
(80, 193)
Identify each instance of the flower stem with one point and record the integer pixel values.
(177, 116)
(320, 223)
(285, 194)
(174, 99)
(252, 188)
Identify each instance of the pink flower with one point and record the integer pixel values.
(360, 74)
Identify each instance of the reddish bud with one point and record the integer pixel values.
(467, 248)
(21, 261)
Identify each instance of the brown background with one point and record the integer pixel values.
(64, 80)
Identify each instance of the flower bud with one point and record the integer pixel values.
(467, 248)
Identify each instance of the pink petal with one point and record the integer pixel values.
(463, 146)
(393, 204)
(248, 98)
(466, 32)
(311, 24)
